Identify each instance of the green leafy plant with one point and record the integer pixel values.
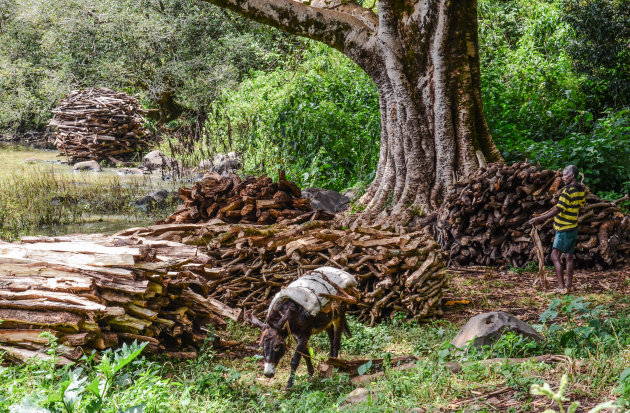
(559, 397)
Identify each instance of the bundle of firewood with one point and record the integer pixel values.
(99, 124)
(94, 292)
(253, 200)
(484, 219)
(396, 272)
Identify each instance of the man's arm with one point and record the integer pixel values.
(549, 214)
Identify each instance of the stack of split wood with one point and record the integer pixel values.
(484, 220)
(396, 272)
(253, 200)
(99, 124)
(94, 292)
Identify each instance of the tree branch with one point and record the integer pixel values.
(349, 28)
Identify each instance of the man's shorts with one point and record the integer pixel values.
(565, 241)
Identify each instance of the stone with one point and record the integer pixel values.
(357, 396)
(92, 166)
(326, 199)
(227, 167)
(157, 161)
(33, 160)
(484, 328)
(155, 199)
(129, 171)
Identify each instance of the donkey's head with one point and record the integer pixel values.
(272, 341)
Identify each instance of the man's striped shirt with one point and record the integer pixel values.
(571, 199)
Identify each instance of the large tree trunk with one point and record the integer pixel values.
(433, 126)
(423, 57)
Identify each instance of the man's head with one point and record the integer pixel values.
(570, 173)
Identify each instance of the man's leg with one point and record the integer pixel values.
(570, 266)
(555, 257)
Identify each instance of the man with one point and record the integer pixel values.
(565, 222)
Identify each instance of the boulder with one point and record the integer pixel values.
(157, 161)
(359, 395)
(129, 171)
(484, 328)
(156, 199)
(227, 167)
(326, 199)
(92, 166)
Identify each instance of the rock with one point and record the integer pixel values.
(357, 396)
(351, 193)
(227, 167)
(159, 196)
(156, 199)
(326, 199)
(487, 327)
(205, 165)
(129, 171)
(92, 166)
(157, 161)
(33, 160)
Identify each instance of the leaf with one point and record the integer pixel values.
(122, 362)
(135, 409)
(363, 368)
(310, 352)
(548, 315)
(93, 387)
(624, 375)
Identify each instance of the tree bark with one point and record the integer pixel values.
(423, 57)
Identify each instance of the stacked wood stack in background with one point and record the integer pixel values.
(484, 220)
(396, 272)
(253, 200)
(99, 291)
(99, 124)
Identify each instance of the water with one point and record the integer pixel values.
(18, 160)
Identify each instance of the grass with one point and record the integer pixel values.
(40, 197)
(216, 383)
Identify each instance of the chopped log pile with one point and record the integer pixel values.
(484, 220)
(396, 272)
(99, 124)
(94, 292)
(253, 200)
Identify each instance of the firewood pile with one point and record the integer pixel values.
(95, 292)
(396, 272)
(484, 220)
(99, 124)
(253, 200)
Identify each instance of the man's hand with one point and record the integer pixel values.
(534, 220)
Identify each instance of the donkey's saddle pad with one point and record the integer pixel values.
(306, 290)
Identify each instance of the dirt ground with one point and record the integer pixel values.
(489, 289)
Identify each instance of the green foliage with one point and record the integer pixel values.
(602, 155)
(529, 89)
(599, 49)
(86, 389)
(178, 54)
(559, 397)
(319, 121)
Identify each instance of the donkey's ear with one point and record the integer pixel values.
(253, 320)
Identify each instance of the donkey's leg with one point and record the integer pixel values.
(331, 338)
(307, 359)
(336, 343)
(295, 361)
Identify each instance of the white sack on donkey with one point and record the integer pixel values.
(313, 303)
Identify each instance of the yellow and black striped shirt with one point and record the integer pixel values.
(571, 199)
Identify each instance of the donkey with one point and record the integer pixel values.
(306, 307)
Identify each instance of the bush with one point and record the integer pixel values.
(601, 155)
